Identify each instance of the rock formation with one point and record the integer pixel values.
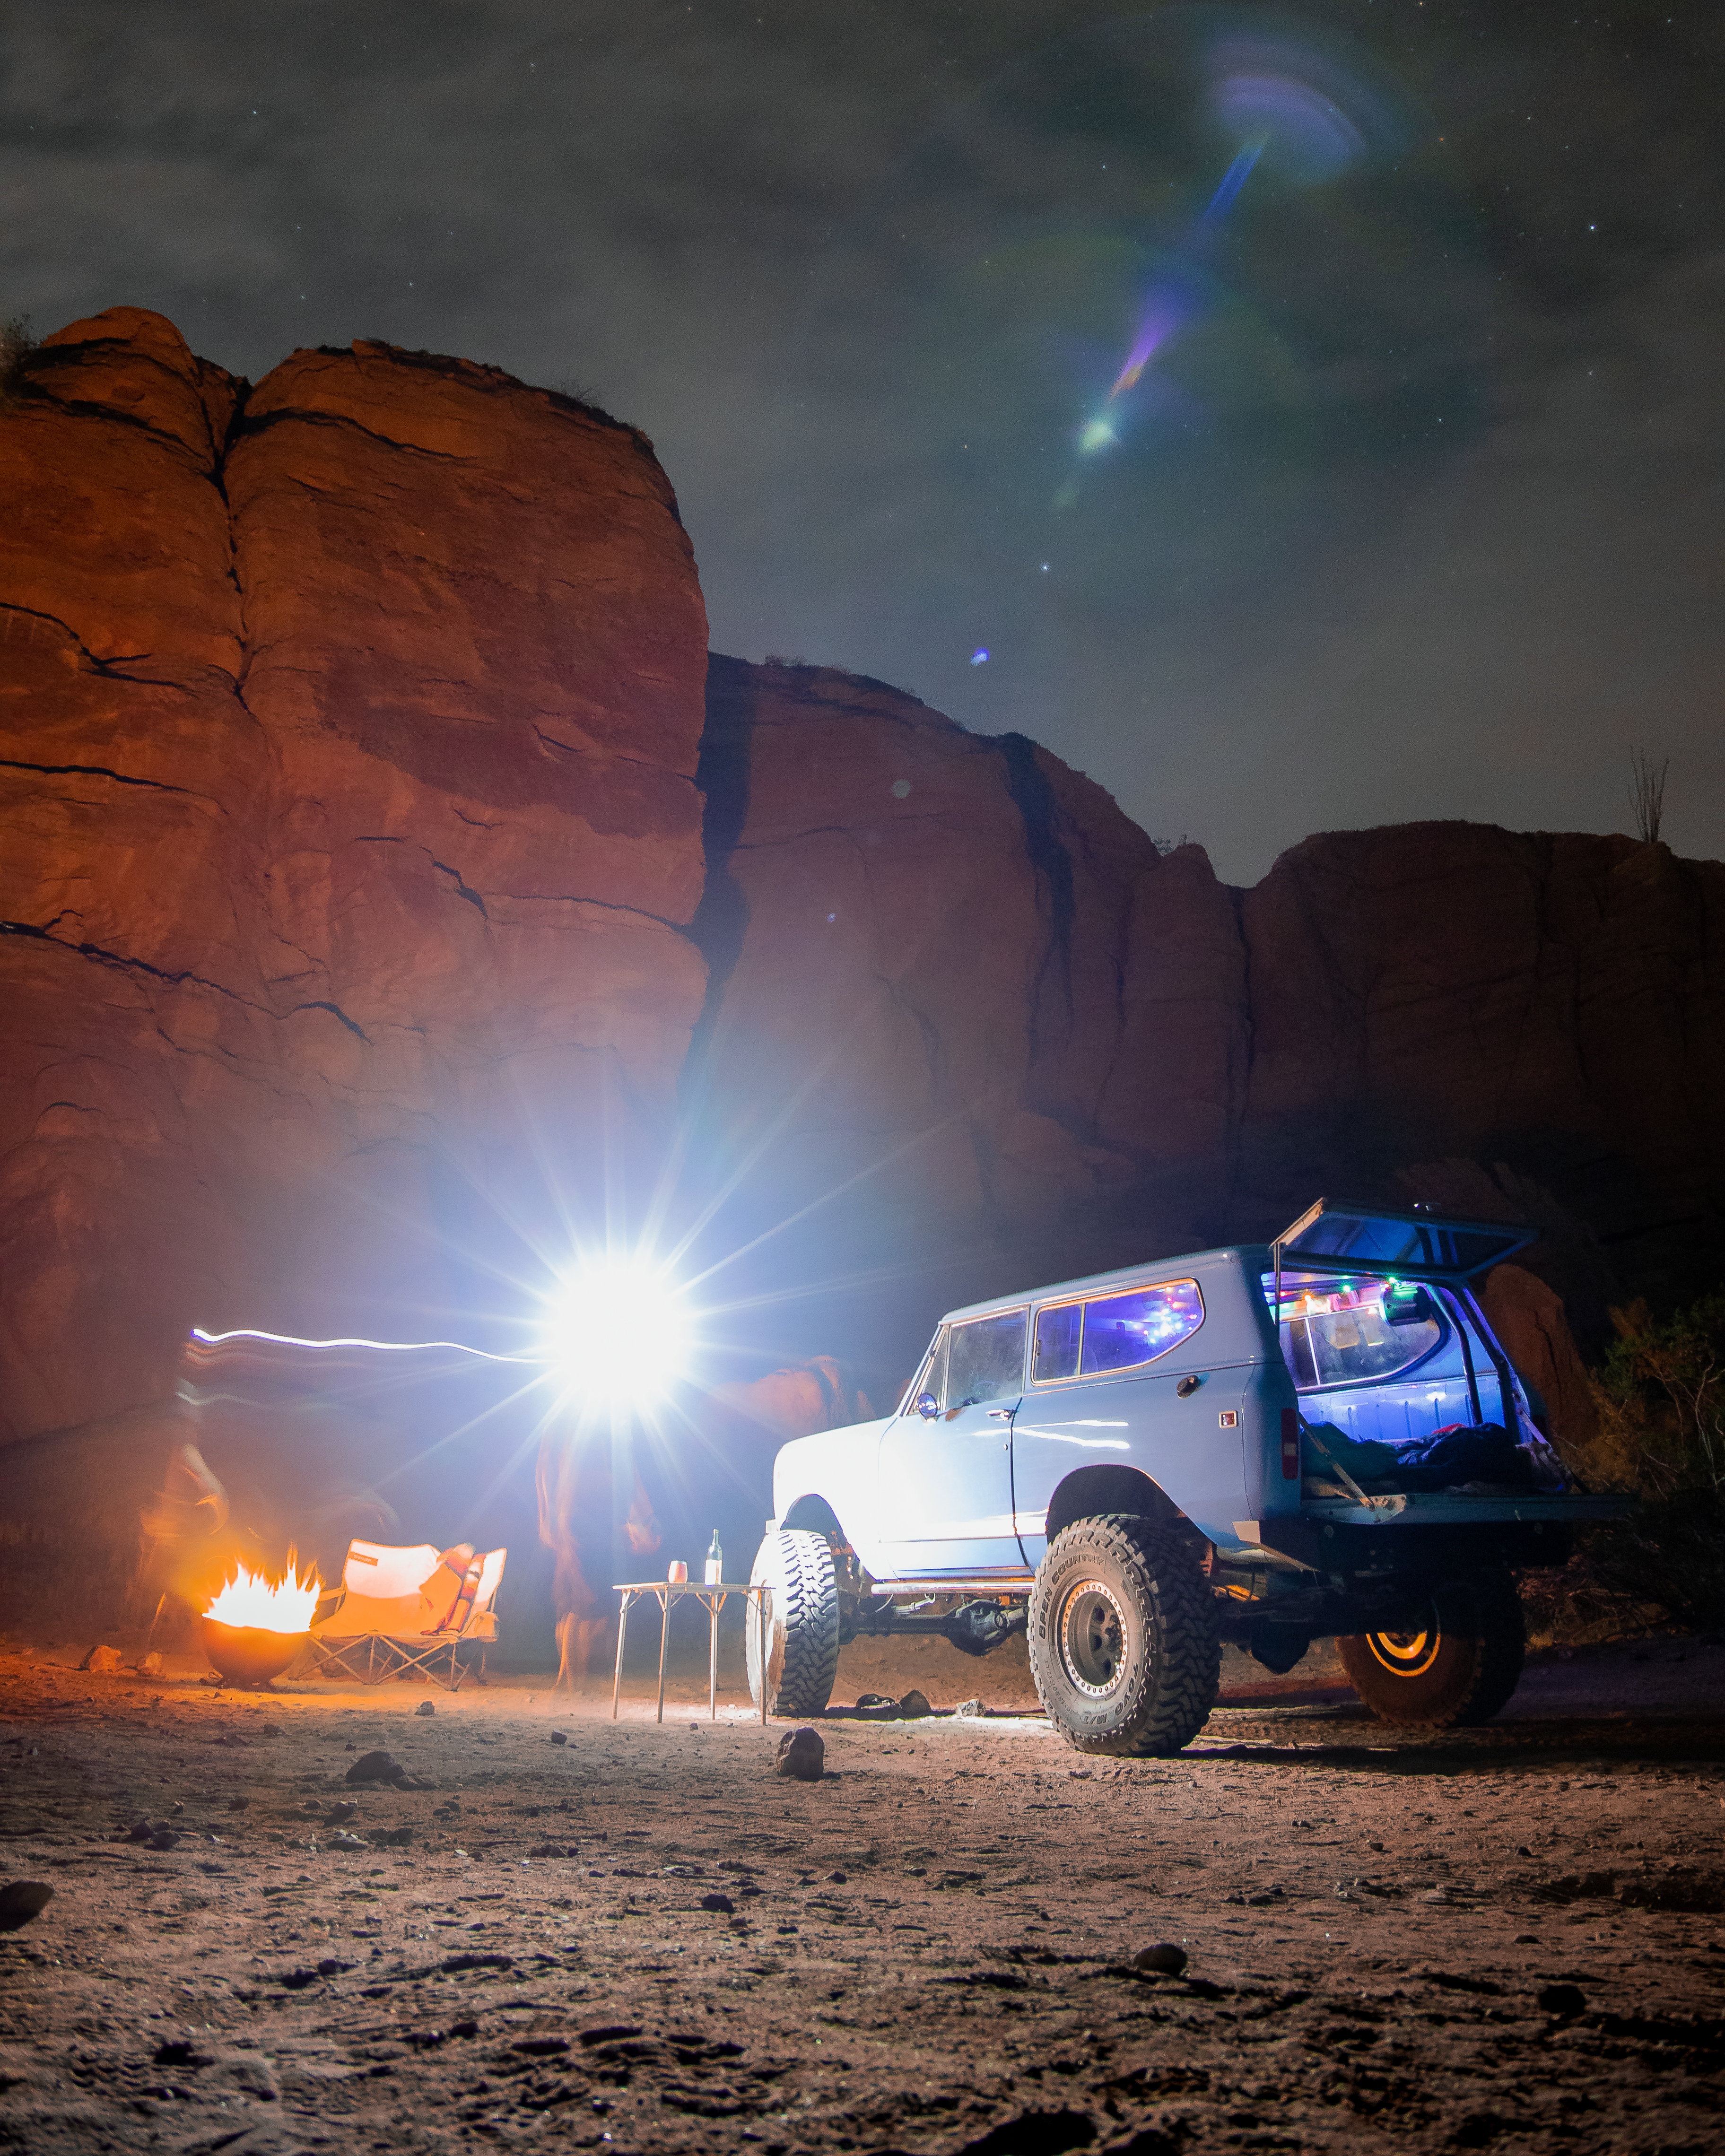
(966, 1010)
(361, 913)
(350, 731)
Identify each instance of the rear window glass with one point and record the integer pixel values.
(985, 1360)
(1115, 1332)
(1138, 1326)
(1368, 1329)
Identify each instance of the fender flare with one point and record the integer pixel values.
(1087, 1492)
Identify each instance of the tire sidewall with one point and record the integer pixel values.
(1144, 1575)
(802, 1636)
(1470, 1675)
(1066, 1566)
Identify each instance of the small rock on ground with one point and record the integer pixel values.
(802, 1756)
(101, 1661)
(23, 1899)
(426, 1706)
(380, 1767)
(1164, 1958)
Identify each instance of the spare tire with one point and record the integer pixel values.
(802, 1626)
(1455, 1665)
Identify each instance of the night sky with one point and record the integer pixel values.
(1313, 415)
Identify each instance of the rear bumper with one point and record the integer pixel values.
(1418, 1533)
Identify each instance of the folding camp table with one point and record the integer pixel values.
(712, 1594)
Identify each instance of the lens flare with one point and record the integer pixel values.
(1315, 117)
(1160, 324)
(617, 1330)
(1233, 180)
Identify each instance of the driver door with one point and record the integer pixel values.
(945, 1496)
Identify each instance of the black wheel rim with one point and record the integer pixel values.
(1092, 1637)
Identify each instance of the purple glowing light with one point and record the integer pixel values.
(1157, 326)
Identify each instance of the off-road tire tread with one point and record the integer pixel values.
(1175, 1688)
(1500, 1650)
(811, 1620)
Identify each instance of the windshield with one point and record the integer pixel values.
(1365, 1329)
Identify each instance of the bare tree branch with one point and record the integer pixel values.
(1647, 792)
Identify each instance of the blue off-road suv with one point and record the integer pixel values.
(1316, 1438)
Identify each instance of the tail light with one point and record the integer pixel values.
(1290, 1444)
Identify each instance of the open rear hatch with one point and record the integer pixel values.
(1335, 1238)
(1331, 1237)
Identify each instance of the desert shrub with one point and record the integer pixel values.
(1660, 1393)
(1661, 1397)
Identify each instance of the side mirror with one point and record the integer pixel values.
(927, 1406)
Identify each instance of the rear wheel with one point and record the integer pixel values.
(802, 1656)
(1456, 1665)
(1122, 1639)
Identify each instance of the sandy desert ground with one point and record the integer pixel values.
(1508, 1936)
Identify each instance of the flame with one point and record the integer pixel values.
(252, 1600)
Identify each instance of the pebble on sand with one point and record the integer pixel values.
(720, 1904)
(426, 1706)
(1164, 1958)
(101, 1661)
(1563, 2000)
(802, 1756)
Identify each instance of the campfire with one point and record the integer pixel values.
(255, 1626)
(253, 1601)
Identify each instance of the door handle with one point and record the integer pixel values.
(1000, 1414)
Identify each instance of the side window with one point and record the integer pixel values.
(1122, 1330)
(1058, 1326)
(985, 1360)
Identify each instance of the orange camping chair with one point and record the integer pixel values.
(398, 1611)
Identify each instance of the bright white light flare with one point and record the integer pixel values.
(253, 1601)
(618, 1331)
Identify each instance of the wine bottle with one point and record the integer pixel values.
(714, 1561)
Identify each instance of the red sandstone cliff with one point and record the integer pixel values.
(349, 729)
(962, 1000)
(358, 898)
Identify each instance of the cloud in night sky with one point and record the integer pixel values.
(1284, 601)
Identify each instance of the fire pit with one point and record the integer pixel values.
(255, 1627)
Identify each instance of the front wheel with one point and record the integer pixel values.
(1122, 1639)
(1456, 1665)
(802, 1645)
